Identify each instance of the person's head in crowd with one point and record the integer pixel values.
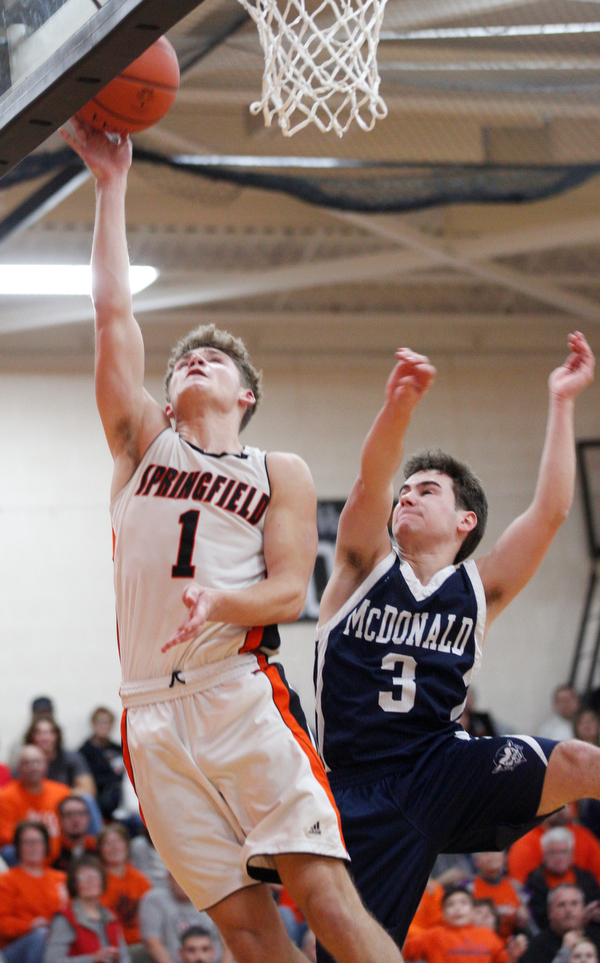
(586, 726)
(485, 914)
(102, 722)
(75, 819)
(490, 866)
(457, 906)
(558, 849)
(197, 946)
(562, 817)
(32, 844)
(113, 848)
(178, 892)
(566, 907)
(566, 702)
(42, 706)
(46, 734)
(309, 946)
(584, 951)
(86, 878)
(32, 766)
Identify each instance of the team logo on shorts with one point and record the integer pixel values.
(508, 757)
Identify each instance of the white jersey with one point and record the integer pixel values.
(185, 516)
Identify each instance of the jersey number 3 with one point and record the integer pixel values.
(406, 680)
(183, 568)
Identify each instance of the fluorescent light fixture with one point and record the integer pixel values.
(519, 30)
(45, 279)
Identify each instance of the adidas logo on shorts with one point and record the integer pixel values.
(315, 829)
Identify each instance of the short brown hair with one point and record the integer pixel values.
(86, 861)
(120, 830)
(209, 336)
(26, 824)
(468, 491)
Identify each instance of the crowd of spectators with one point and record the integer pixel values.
(79, 876)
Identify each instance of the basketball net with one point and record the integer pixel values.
(320, 66)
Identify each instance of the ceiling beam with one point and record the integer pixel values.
(418, 14)
(426, 253)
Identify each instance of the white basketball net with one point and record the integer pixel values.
(322, 65)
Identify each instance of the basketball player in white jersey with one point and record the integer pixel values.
(229, 784)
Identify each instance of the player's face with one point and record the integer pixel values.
(206, 375)
(197, 949)
(426, 513)
(458, 909)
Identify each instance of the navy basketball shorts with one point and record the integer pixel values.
(461, 795)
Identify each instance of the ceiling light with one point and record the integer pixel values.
(40, 279)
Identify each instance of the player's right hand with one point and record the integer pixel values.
(104, 157)
(200, 603)
(411, 378)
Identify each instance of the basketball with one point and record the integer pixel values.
(139, 96)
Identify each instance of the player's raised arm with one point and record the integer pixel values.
(362, 539)
(290, 549)
(131, 418)
(519, 551)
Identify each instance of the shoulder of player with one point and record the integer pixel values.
(288, 474)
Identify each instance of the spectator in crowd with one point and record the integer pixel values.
(75, 836)
(584, 951)
(70, 768)
(526, 854)
(164, 915)
(31, 796)
(85, 931)
(492, 882)
(567, 923)
(559, 724)
(197, 946)
(125, 885)
(558, 846)
(105, 760)
(457, 940)
(144, 857)
(30, 895)
(485, 914)
(430, 909)
(587, 726)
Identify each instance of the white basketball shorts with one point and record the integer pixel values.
(227, 778)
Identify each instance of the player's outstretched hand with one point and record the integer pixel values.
(199, 602)
(576, 373)
(411, 378)
(103, 156)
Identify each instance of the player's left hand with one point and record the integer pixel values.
(576, 373)
(200, 602)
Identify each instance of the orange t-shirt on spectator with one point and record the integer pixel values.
(16, 804)
(526, 854)
(122, 896)
(429, 910)
(505, 898)
(455, 944)
(23, 897)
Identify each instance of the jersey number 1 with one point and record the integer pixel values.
(406, 679)
(183, 568)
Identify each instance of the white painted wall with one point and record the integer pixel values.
(57, 627)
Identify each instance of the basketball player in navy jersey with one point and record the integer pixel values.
(400, 637)
(231, 788)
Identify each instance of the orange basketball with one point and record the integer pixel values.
(138, 97)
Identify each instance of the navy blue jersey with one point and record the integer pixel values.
(394, 664)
